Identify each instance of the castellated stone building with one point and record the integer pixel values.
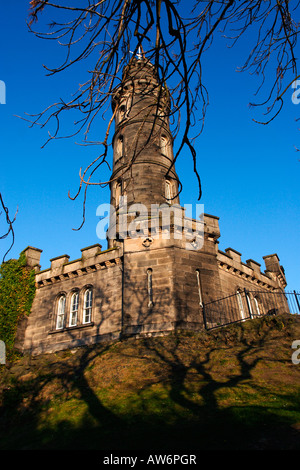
(160, 280)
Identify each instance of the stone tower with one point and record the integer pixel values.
(160, 280)
(142, 143)
(157, 272)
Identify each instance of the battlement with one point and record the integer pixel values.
(33, 257)
(92, 259)
(231, 262)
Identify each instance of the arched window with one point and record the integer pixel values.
(87, 306)
(122, 111)
(118, 192)
(168, 191)
(74, 309)
(257, 306)
(240, 303)
(60, 318)
(249, 305)
(120, 146)
(164, 147)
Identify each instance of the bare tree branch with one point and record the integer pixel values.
(9, 223)
(108, 33)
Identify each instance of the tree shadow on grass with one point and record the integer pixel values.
(206, 423)
(178, 404)
(24, 402)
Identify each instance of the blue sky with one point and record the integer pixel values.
(250, 173)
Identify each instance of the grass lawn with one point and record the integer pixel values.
(231, 388)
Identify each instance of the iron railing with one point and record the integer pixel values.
(245, 305)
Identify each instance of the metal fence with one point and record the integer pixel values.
(245, 305)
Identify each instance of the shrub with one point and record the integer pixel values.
(17, 290)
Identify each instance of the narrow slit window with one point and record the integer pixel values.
(168, 191)
(122, 112)
(120, 146)
(164, 147)
(74, 309)
(61, 312)
(118, 192)
(199, 287)
(150, 290)
(87, 306)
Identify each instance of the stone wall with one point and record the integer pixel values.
(237, 275)
(143, 285)
(101, 271)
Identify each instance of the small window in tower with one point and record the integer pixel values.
(168, 191)
(122, 112)
(120, 146)
(61, 312)
(118, 192)
(164, 147)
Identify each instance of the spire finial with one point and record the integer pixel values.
(140, 54)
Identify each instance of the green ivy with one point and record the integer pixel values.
(17, 290)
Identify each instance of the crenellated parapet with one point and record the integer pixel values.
(92, 260)
(272, 278)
